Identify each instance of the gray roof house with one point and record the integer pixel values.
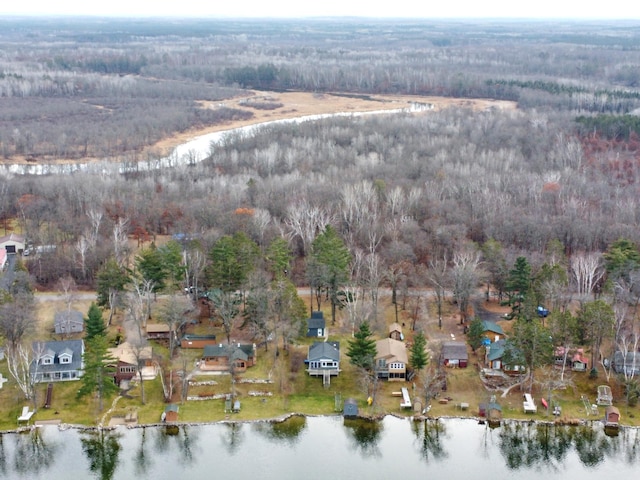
(316, 325)
(68, 321)
(57, 361)
(324, 360)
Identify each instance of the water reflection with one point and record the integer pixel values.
(455, 449)
(232, 437)
(33, 453)
(144, 455)
(527, 445)
(591, 445)
(532, 445)
(180, 441)
(364, 435)
(102, 448)
(287, 431)
(430, 434)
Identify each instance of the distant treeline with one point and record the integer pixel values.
(614, 127)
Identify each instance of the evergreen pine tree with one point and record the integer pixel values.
(94, 323)
(418, 354)
(362, 349)
(98, 371)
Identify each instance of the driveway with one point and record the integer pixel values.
(9, 272)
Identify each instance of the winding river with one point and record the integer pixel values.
(188, 153)
(324, 447)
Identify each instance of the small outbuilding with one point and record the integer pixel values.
(611, 416)
(68, 321)
(350, 409)
(455, 354)
(170, 413)
(316, 325)
(12, 243)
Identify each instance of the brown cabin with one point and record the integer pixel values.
(126, 365)
(225, 357)
(158, 331)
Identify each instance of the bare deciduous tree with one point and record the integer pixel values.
(23, 363)
(305, 221)
(120, 240)
(465, 277)
(588, 270)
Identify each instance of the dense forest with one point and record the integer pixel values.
(449, 198)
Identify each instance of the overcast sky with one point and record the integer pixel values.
(586, 9)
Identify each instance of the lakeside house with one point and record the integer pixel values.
(129, 360)
(575, 358)
(391, 359)
(57, 361)
(160, 332)
(236, 357)
(492, 331)
(495, 354)
(323, 360)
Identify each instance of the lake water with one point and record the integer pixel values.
(323, 448)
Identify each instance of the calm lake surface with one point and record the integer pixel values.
(325, 447)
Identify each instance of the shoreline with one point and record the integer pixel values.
(285, 417)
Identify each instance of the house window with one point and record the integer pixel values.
(47, 361)
(128, 369)
(382, 363)
(65, 359)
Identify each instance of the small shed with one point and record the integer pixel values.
(492, 411)
(611, 416)
(316, 325)
(350, 409)
(170, 413)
